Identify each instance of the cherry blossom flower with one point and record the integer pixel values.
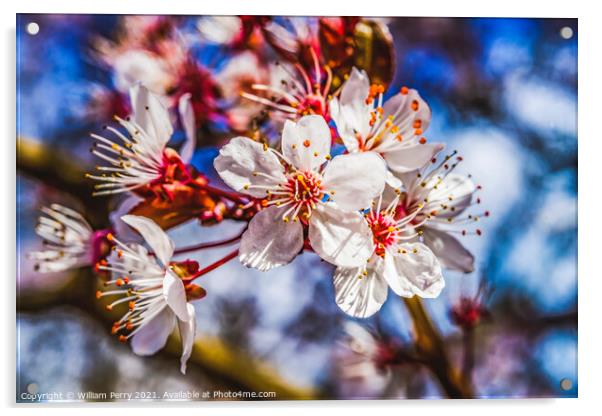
(236, 32)
(143, 157)
(393, 129)
(70, 242)
(364, 361)
(409, 268)
(221, 30)
(294, 91)
(155, 289)
(301, 187)
(238, 77)
(438, 199)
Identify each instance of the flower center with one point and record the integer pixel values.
(385, 231)
(311, 104)
(302, 191)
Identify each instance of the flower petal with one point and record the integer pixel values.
(187, 332)
(306, 144)
(356, 89)
(361, 295)
(154, 236)
(408, 111)
(240, 159)
(457, 191)
(354, 180)
(189, 124)
(352, 114)
(450, 252)
(413, 270)
(152, 336)
(341, 238)
(123, 232)
(408, 158)
(174, 294)
(269, 241)
(345, 130)
(151, 115)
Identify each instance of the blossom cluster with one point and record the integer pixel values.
(315, 160)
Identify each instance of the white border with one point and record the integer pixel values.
(590, 282)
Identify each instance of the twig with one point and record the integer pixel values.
(430, 346)
(210, 244)
(225, 362)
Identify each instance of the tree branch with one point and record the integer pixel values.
(223, 361)
(431, 348)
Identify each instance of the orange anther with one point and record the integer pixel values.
(123, 338)
(422, 140)
(306, 143)
(404, 90)
(415, 105)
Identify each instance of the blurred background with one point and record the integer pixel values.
(502, 91)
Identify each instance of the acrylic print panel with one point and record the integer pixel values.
(282, 208)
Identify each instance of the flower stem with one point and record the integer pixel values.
(234, 197)
(210, 244)
(430, 346)
(214, 265)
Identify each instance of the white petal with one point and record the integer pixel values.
(355, 179)
(346, 130)
(187, 332)
(240, 159)
(154, 236)
(450, 252)
(407, 158)
(269, 241)
(151, 115)
(306, 144)
(459, 188)
(152, 336)
(174, 294)
(401, 108)
(188, 122)
(356, 88)
(393, 181)
(341, 238)
(358, 295)
(351, 113)
(413, 273)
(123, 232)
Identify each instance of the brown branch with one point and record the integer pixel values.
(225, 362)
(431, 348)
(42, 163)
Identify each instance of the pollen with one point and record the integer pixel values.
(422, 140)
(404, 90)
(417, 124)
(415, 105)
(306, 143)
